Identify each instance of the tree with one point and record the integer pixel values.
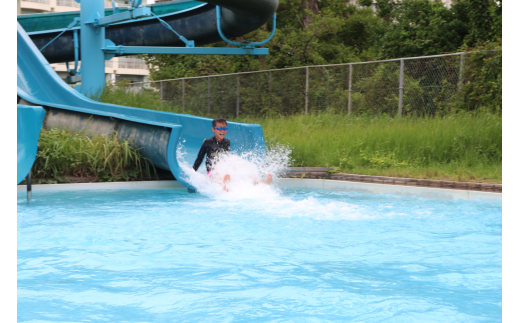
(309, 9)
(483, 19)
(365, 3)
(359, 30)
(418, 28)
(385, 9)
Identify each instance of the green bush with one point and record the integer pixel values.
(482, 79)
(107, 158)
(377, 91)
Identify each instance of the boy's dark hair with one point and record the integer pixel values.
(218, 119)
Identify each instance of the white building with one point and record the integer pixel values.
(118, 68)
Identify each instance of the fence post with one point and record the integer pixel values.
(461, 70)
(349, 109)
(270, 92)
(160, 83)
(401, 89)
(306, 90)
(238, 93)
(183, 96)
(209, 95)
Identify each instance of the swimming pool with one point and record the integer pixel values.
(300, 255)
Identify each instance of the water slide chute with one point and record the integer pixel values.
(160, 135)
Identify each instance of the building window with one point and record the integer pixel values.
(68, 3)
(131, 62)
(74, 4)
(38, 1)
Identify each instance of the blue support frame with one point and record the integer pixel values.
(74, 76)
(112, 50)
(95, 49)
(92, 41)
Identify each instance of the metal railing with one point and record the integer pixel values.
(397, 86)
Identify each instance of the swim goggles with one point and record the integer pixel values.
(220, 128)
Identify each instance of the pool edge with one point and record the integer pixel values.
(427, 192)
(103, 186)
(373, 188)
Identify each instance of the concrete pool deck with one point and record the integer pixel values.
(373, 188)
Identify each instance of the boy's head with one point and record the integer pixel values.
(219, 128)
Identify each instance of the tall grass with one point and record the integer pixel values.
(464, 146)
(107, 158)
(147, 99)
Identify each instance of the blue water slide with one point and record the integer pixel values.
(29, 120)
(160, 135)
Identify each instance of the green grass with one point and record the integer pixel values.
(460, 147)
(148, 99)
(63, 153)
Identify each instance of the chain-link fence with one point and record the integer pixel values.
(420, 85)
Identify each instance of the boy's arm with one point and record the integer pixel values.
(200, 156)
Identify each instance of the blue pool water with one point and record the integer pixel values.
(297, 256)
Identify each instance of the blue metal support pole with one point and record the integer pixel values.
(111, 50)
(76, 49)
(92, 42)
(73, 76)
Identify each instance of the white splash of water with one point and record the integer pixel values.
(247, 192)
(247, 173)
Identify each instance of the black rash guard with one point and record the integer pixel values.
(212, 148)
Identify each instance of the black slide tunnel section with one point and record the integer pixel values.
(239, 17)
